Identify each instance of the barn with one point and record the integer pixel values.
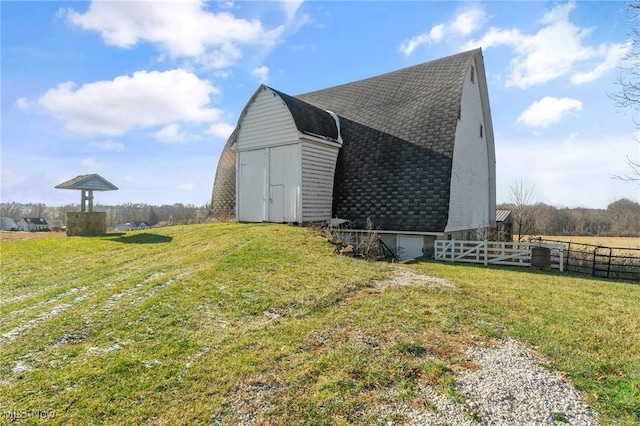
(411, 150)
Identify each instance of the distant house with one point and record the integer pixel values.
(123, 227)
(131, 226)
(33, 224)
(8, 224)
(504, 225)
(411, 151)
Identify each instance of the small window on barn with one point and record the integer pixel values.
(472, 77)
(459, 112)
(481, 131)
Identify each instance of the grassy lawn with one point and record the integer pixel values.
(232, 323)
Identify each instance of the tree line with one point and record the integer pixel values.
(166, 214)
(621, 218)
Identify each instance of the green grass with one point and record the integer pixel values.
(227, 323)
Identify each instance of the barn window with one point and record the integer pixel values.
(472, 74)
(481, 131)
(459, 112)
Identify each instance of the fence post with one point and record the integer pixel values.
(561, 248)
(486, 252)
(609, 263)
(593, 266)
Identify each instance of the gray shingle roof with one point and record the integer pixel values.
(223, 198)
(310, 119)
(417, 104)
(93, 182)
(398, 130)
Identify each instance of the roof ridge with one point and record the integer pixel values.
(470, 53)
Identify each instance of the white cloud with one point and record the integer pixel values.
(573, 171)
(221, 130)
(223, 57)
(291, 7)
(261, 73)
(171, 134)
(23, 104)
(91, 163)
(188, 187)
(612, 55)
(467, 22)
(226, 4)
(463, 24)
(181, 28)
(556, 49)
(146, 99)
(435, 35)
(108, 145)
(548, 111)
(222, 74)
(10, 178)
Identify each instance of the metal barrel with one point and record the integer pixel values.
(541, 258)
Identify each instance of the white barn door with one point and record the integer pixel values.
(284, 181)
(276, 203)
(269, 184)
(251, 185)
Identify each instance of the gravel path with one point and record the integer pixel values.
(509, 387)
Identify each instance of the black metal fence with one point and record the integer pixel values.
(602, 262)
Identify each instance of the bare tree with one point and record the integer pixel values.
(628, 97)
(522, 210)
(35, 209)
(624, 216)
(63, 209)
(11, 209)
(634, 173)
(190, 213)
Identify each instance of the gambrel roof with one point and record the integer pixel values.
(419, 104)
(399, 130)
(309, 119)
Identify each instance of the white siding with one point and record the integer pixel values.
(281, 177)
(266, 122)
(470, 178)
(318, 168)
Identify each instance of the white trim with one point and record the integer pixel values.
(337, 120)
(312, 138)
(301, 136)
(382, 231)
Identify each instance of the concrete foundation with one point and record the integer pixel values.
(86, 223)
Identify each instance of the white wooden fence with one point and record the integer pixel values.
(493, 252)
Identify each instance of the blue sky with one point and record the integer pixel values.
(145, 93)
